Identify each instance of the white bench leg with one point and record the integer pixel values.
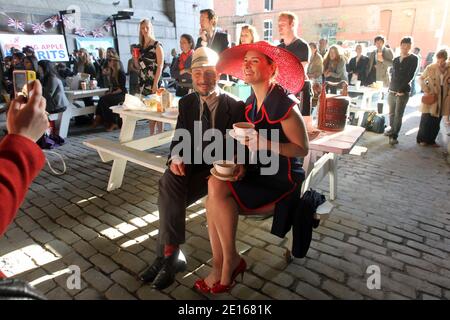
(333, 176)
(117, 173)
(64, 122)
(119, 165)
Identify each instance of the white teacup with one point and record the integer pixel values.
(224, 167)
(243, 128)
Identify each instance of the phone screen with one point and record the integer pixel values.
(20, 84)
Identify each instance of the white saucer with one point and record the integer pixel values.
(221, 177)
(233, 134)
(170, 115)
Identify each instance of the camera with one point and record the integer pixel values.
(23, 82)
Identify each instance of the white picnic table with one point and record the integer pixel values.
(63, 119)
(367, 103)
(367, 95)
(130, 149)
(323, 156)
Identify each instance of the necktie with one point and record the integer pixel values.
(206, 118)
(206, 124)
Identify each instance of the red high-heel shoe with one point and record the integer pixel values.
(202, 286)
(240, 269)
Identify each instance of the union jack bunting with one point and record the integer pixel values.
(53, 21)
(96, 33)
(108, 25)
(67, 23)
(38, 27)
(16, 24)
(81, 32)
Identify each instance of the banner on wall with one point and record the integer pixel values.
(91, 44)
(46, 47)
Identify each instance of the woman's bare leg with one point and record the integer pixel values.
(223, 211)
(216, 248)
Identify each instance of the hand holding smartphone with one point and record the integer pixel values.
(23, 83)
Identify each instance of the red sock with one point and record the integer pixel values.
(169, 249)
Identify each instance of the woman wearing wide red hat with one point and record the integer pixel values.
(273, 74)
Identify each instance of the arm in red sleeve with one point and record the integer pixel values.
(20, 162)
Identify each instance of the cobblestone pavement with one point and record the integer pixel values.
(392, 211)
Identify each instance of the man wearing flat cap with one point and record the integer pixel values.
(185, 181)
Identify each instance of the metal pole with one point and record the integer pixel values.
(63, 29)
(116, 40)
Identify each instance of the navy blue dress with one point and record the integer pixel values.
(256, 191)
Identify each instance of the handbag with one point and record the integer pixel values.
(429, 98)
(50, 141)
(373, 122)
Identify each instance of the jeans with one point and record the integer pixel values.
(397, 105)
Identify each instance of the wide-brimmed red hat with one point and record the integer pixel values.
(290, 75)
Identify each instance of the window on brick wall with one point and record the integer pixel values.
(268, 5)
(328, 31)
(241, 7)
(268, 30)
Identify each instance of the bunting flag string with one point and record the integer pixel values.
(53, 22)
(80, 32)
(16, 24)
(38, 27)
(107, 25)
(97, 33)
(67, 23)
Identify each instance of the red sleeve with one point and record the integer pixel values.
(20, 161)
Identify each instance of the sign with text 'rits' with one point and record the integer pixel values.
(46, 47)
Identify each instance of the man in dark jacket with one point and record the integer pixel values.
(357, 67)
(185, 180)
(403, 70)
(209, 35)
(287, 28)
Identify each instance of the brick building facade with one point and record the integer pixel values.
(345, 20)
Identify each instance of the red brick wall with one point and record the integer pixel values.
(357, 20)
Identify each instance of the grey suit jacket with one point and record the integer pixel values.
(379, 71)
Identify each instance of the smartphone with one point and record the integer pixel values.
(23, 82)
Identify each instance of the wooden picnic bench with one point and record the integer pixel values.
(130, 149)
(62, 119)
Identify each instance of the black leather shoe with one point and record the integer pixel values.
(171, 265)
(150, 274)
